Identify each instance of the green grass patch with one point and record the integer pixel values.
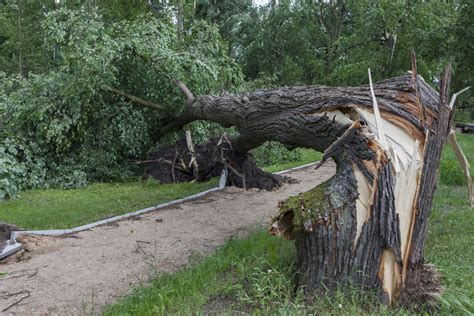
(450, 246)
(307, 156)
(251, 275)
(59, 208)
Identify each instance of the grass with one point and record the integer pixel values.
(308, 156)
(59, 208)
(254, 275)
(450, 246)
(251, 275)
(450, 171)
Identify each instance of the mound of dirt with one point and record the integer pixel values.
(182, 163)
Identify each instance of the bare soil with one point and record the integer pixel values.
(82, 273)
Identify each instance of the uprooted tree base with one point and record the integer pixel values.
(183, 163)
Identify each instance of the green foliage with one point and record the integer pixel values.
(82, 132)
(464, 54)
(463, 116)
(57, 61)
(271, 153)
(21, 46)
(10, 173)
(19, 168)
(334, 42)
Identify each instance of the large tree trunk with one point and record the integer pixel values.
(367, 225)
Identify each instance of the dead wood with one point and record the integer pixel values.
(26, 294)
(138, 100)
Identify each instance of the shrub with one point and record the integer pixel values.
(271, 153)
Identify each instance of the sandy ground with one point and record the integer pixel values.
(82, 273)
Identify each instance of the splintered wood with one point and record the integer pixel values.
(388, 203)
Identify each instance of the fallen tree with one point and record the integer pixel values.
(367, 225)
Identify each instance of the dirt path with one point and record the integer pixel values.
(82, 273)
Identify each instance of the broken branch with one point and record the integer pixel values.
(193, 163)
(187, 93)
(453, 99)
(138, 100)
(453, 142)
(378, 119)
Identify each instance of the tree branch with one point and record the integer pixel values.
(187, 93)
(137, 100)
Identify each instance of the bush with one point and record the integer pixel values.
(18, 168)
(10, 172)
(271, 153)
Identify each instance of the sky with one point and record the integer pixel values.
(260, 2)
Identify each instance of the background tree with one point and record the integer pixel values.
(60, 115)
(464, 54)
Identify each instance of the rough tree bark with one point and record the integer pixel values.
(367, 225)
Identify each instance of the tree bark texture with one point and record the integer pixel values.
(367, 225)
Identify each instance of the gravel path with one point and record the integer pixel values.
(82, 273)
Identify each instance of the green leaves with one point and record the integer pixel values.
(334, 42)
(81, 130)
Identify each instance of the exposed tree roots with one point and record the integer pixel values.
(177, 163)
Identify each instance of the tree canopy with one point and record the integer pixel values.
(62, 122)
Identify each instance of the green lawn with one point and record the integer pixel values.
(254, 275)
(308, 156)
(59, 208)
